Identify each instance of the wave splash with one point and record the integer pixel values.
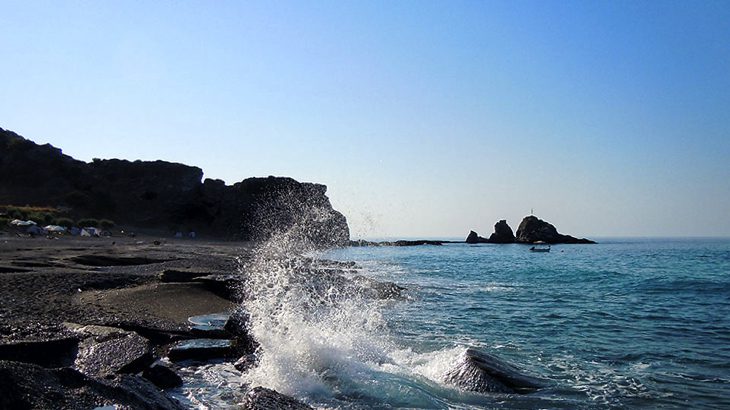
(323, 337)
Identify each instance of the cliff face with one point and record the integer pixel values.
(166, 195)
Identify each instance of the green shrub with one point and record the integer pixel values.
(66, 222)
(16, 214)
(41, 218)
(106, 224)
(4, 222)
(87, 222)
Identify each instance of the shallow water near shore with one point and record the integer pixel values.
(624, 323)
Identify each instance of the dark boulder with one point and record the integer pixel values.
(52, 352)
(202, 350)
(237, 326)
(502, 233)
(480, 372)
(260, 398)
(533, 229)
(245, 362)
(28, 386)
(108, 350)
(473, 238)
(176, 275)
(162, 376)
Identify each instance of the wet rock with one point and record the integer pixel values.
(175, 275)
(380, 290)
(502, 233)
(225, 286)
(260, 398)
(139, 393)
(109, 350)
(56, 352)
(481, 372)
(201, 349)
(245, 362)
(237, 326)
(156, 333)
(162, 376)
(473, 238)
(210, 326)
(533, 229)
(28, 386)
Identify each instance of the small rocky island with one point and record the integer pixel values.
(532, 229)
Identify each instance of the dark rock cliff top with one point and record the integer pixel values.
(165, 195)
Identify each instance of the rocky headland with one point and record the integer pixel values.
(532, 229)
(165, 196)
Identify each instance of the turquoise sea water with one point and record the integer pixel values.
(636, 323)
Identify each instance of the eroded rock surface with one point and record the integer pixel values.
(107, 350)
(481, 372)
(28, 386)
(260, 398)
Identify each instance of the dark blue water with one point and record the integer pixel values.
(624, 323)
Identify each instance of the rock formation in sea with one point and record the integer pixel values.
(484, 373)
(502, 233)
(165, 195)
(474, 237)
(532, 229)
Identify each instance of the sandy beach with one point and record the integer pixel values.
(107, 281)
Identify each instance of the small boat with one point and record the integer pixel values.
(541, 247)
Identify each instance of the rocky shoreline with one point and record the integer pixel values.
(94, 322)
(85, 322)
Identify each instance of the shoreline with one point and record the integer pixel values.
(102, 311)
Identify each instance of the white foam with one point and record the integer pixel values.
(319, 339)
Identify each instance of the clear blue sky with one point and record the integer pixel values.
(423, 118)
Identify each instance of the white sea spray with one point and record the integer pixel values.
(322, 336)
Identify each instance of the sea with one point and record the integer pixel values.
(625, 323)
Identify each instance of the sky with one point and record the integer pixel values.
(423, 118)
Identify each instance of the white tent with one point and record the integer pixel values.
(90, 231)
(18, 222)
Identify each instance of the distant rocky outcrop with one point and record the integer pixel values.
(164, 195)
(532, 229)
(474, 237)
(502, 233)
(418, 242)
